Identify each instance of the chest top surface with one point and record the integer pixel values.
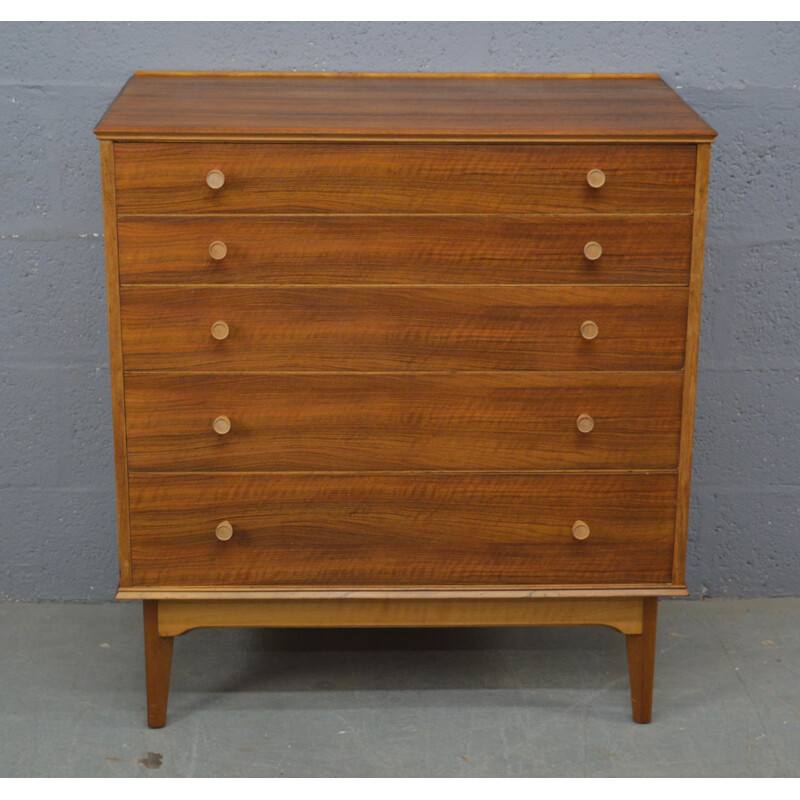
(330, 106)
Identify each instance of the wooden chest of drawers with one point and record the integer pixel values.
(402, 350)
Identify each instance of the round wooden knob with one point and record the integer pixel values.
(220, 330)
(592, 250)
(589, 329)
(215, 179)
(585, 423)
(225, 531)
(580, 530)
(222, 424)
(218, 250)
(595, 178)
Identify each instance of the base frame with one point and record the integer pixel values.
(636, 617)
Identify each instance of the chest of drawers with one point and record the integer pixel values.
(398, 350)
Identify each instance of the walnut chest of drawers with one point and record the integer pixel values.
(394, 350)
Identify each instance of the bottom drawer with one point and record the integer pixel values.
(399, 530)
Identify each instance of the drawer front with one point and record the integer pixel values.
(363, 328)
(401, 530)
(464, 421)
(403, 178)
(320, 249)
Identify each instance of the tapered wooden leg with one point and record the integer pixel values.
(641, 662)
(158, 664)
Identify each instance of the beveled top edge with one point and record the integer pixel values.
(404, 106)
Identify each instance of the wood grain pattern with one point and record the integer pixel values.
(692, 350)
(319, 249)
(115, 361)
(461, 421)
(308, 105)
(402, 530)
(392, 328)
(177, 616)
(169, 178)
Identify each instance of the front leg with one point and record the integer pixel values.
(641, 661)
(158, 665)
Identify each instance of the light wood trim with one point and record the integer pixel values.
(567, 378)
(403, 372)
(178, 616)
(690, 362)
(516, 215)
(215, 179)
(580, 530)
(171, 285)
(256, 593)
(521, 216)
(224, 531)
(470, 75)
(116, 366)
(576, 471)
(596, 178)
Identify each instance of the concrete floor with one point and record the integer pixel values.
(463, 703)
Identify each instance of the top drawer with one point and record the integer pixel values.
(170, 178)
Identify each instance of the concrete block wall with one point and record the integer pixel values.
(57, 527)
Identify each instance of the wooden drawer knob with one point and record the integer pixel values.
(220, 330)
(218, 250)
(580, 530)
(589, 329)
(592, 250)
(215, 178)
(222, 424)
(595, 178)
(225, 531)
(585, 423)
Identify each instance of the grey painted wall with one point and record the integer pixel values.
(57, 528)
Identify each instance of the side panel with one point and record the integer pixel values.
(115, 343)
(690, 364)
